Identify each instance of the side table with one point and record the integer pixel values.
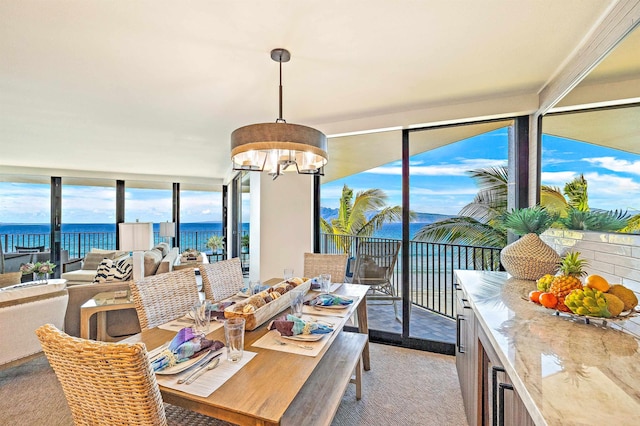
(100, 304)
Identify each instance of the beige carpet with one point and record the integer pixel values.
(404, 387)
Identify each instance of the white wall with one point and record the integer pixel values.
(281, 224)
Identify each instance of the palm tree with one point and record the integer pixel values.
(479, 223)
(360, 217)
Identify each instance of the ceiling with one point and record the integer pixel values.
(153, 89)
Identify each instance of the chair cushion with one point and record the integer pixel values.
(20, 249)
(92, 260)
(105, 271)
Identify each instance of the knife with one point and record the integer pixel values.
(197, 370)
(213, 363)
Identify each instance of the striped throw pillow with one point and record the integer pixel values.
(123, 269)
(105, 272)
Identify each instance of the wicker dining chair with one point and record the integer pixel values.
(110, 383)
(162, 298)
(223, 279)
(319, 263)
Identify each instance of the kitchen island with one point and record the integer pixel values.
(519, 363)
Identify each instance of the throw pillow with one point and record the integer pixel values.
(123, 269)
(104, 272)
(152, 259)
(92, 260)
(163, 248)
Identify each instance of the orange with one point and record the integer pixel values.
(548, 300)
(534, 296)
(597, 282)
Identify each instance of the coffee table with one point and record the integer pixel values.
(100, 304)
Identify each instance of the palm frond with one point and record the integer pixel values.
(534, 219)
(462, 230)
(598, 220)
(576, 192)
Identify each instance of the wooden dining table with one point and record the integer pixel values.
(262, 390)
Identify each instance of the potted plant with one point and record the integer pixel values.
(215, 243)
(529, 258)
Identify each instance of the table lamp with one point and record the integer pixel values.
(167, 230)
(136, 237)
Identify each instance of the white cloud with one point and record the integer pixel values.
(449, 169)
(557, 178)
(615, 165)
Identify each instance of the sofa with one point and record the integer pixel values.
(121, 322)
(158, 260)
(22, 310)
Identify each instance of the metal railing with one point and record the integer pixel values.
(79, 243)
(431, 267)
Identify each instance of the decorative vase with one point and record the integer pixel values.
(41, 278)
(529, 258)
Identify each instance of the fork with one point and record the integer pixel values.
(280, 342)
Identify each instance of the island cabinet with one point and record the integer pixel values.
(521, 364)
(467, 355)
(487, 392)
(500, 402)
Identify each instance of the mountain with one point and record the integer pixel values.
(328, 213)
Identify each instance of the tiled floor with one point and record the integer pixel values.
(424, 324)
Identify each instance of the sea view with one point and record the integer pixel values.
(102, 235)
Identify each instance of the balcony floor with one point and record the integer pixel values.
(424, 324)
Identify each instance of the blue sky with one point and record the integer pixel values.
(439, 184)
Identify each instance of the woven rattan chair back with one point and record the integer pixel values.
(318, 263)
(10, 278)
(104, 383)
(165, 297)
(223, 279)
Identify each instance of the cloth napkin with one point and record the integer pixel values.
(217, 309)
(315, 283)
(291, 325)
(329, 300)
(183, 346)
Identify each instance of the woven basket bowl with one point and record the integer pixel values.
(529, 258)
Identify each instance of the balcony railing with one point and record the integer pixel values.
(79, 243)
(431, 267)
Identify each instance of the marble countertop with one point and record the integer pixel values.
(566, 372)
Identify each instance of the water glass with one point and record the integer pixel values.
(288, 273)
(297, 301)
(201, 317)
(234, 335)
(325, 283)
(254, 287)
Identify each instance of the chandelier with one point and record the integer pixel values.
(279, 147)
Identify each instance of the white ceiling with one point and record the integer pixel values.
(155, 88)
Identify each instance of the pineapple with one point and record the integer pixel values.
(571, 270)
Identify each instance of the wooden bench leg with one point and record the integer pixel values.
(358, 379)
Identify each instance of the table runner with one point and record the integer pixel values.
(211, 380)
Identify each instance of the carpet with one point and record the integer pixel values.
(404, 386)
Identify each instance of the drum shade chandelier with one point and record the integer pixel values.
(278, 147)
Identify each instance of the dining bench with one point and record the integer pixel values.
(318, 400)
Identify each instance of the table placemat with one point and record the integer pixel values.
(271, 339)
(318, 310)
(210, 380)
(180, 323)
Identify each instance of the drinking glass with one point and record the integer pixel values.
(254, 287)
(234, 335)
(201, 317)
(288, 273)
(297, 301)
(325, 283)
